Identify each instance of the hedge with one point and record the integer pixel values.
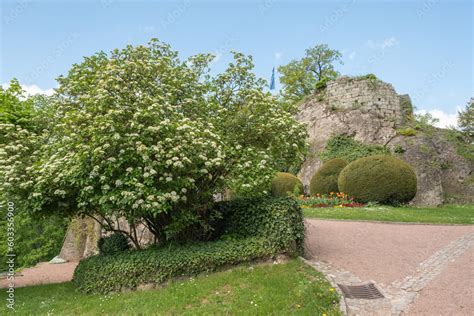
(324, 180)
(285, 182)
(380, 178)
(249, 229)
(280, 220)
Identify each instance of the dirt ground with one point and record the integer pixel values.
(42, 273)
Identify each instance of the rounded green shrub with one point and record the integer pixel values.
(285, 182)
(380, 178)
(324, 180)
(113, 244)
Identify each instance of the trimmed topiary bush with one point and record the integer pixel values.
(113, 244)
(380, 178)
(248, 229)
(285, 182)
(324, 180)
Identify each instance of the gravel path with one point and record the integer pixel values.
(408, 263)
(42, 273)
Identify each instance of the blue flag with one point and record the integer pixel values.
(272, 81)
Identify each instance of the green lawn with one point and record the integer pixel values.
(282, 289)
(446, 214)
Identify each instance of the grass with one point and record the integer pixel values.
(289, 288)
(446, 214)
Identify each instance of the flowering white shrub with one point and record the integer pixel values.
(141, 134)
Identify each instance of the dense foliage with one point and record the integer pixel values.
(279, 220)
(37, 238)
(302, 77)
(32, 113)
(141, 134)
(349, 149)
(15, 108)
(324, 181)
(380, 178)
(252, 229)
(112, 244)
(284, 184)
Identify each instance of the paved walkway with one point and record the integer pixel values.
(420, 269)
(42, 273)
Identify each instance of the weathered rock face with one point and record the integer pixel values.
(371, 111)
(81, 239)
(83, 234)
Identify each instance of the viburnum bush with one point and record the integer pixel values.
(141, 134)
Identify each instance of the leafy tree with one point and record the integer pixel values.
(33, 113)
(466, 120)
(39, 237)
(302, 77)
(15, 107)
(141, 134)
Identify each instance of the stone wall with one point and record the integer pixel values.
(374, 119)
(370, 95)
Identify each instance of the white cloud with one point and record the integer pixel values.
(31, 89)
(148, 28)
(386, 43)
(278, 55)
(34, 89)
(445, 119)
(352, 55)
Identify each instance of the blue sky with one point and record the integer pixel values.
(424, 48)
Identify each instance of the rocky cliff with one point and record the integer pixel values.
(371, 112)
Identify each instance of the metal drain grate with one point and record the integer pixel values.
(365, 291)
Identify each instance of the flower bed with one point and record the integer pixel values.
(333, 199)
